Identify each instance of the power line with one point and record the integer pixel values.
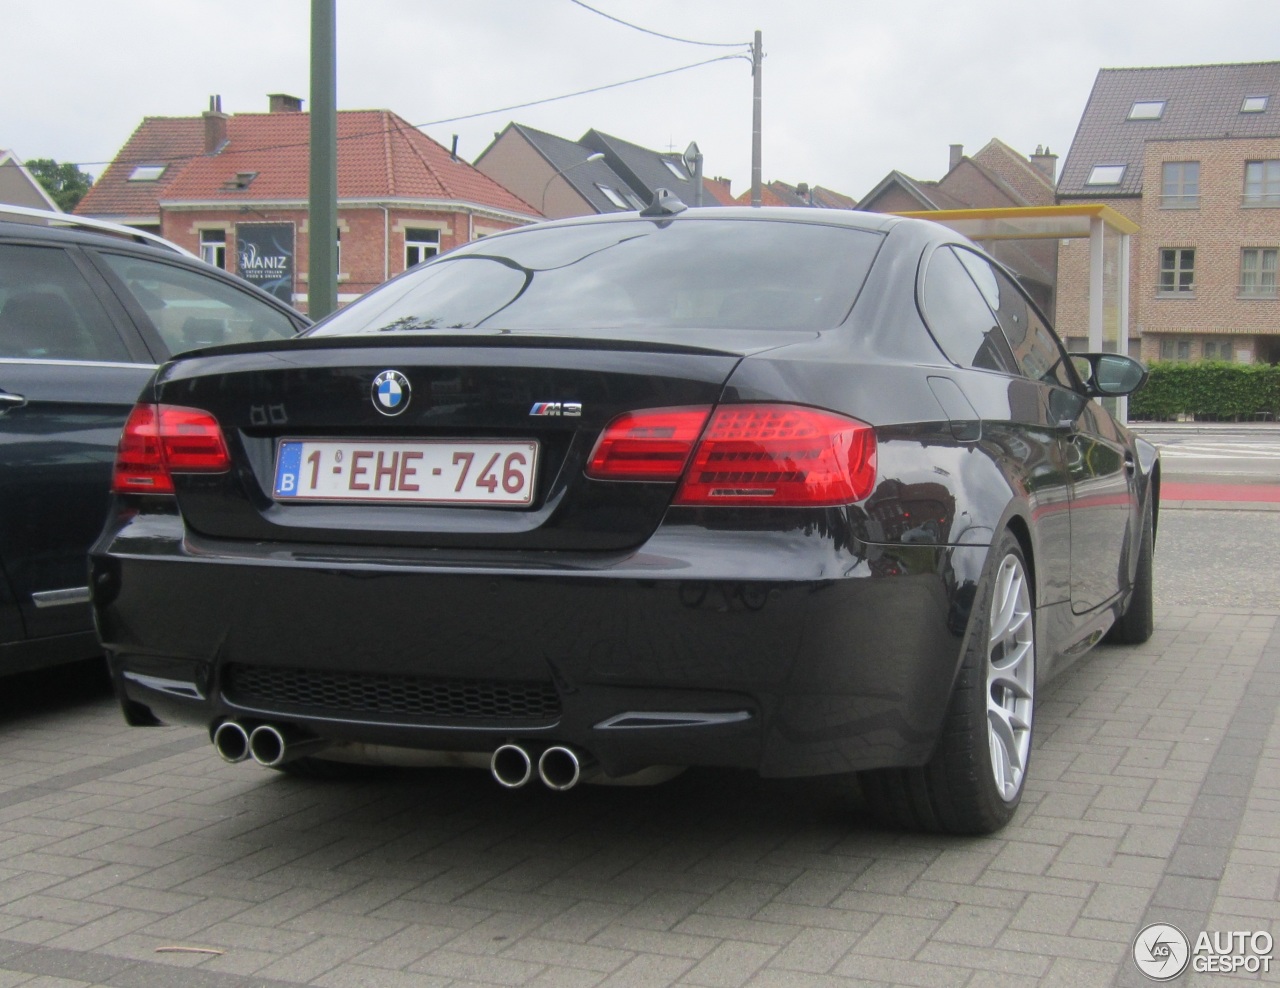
(658, 34)
(432, 123)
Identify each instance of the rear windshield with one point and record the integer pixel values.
(732, 274)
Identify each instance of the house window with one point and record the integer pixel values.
(1254, 104)
(1172, 348)
(675, 169)
(419, 244)
(1258, 272)
(1177, 270)
(147, 173)
(1147, 109)
(213, 248)
(1262, 183)
(1217, 349)
(1105, 175)
(1180, 187)
(611, 194)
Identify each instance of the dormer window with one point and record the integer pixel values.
(1105, 175)
(1254, 104)
(241, 181)
(147, 173)
(1147, 109)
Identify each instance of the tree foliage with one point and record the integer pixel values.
(65, 183)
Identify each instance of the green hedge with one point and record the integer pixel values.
(1211, 390)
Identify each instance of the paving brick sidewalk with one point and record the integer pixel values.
(1155, 796)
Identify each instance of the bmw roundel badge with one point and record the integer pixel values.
(391, 392)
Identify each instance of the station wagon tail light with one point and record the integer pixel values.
(160, 440)
(761, 454)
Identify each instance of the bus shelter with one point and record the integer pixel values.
(1108, 233)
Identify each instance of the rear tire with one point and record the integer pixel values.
(1136, 624)
(974, 781)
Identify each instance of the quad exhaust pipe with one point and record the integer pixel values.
(266, 744)
(560, 767)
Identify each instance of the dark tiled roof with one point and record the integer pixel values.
(645, 171)
(1201, 102)
(1026, 184)
(567, 158)
(380, 155)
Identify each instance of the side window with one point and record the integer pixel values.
(192, 310)
(1034, 346)
(49, 312)
(959, 318)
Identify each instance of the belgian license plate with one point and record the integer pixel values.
(424, 472)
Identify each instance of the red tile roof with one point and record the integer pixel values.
(380, 156)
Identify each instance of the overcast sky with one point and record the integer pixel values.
(852, 89)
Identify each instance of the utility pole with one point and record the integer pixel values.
(322, 220)
(757, 57)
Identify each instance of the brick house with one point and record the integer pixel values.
(997, 177)
(218, 184)
(1191, 154)
(597, 173)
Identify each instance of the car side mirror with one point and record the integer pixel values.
(1109, 375)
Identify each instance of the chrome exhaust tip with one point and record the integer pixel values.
(231, 741)
(273, 746)
(511, 766)
(561, 768)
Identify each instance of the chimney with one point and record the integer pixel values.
(283, 103)
(1046, 163)
(957, 152)
(215, 126)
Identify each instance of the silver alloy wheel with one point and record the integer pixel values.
(1011, 677)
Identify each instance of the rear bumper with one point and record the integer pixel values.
(805, 657)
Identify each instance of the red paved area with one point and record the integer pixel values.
(1173, 491)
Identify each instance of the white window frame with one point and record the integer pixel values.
(420, 243)
(1266, 184)
(1254, 104)
(213, 248)
(147, 173)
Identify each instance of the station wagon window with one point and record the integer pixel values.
(959, 318)
(49, 312)
(192, 310)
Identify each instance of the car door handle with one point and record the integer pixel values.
(8, 401)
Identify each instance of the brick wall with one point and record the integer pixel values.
(373, 247)
(1218, 229)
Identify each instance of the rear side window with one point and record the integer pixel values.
(192, 310)
(731, 274)
(959, 318)
(1034, 346)
(49, 312)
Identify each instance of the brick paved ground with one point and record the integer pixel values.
(1155, 796)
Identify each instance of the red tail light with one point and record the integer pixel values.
(783, 455)
(780, 455)
(649, 445)
(160, 439)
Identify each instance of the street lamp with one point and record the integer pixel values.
(542, 202)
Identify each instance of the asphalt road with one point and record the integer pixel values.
(1225, 454)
